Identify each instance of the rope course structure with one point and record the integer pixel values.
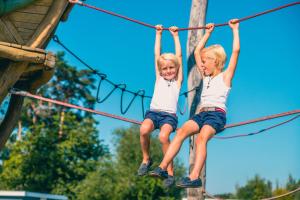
(27, 94)
(103, 77)
(180, 29)
(141, 92)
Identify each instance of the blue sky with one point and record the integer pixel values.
(266, 80)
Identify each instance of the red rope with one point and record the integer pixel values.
(257, 132)
(27, 94)
(263, 119)
(181, 29)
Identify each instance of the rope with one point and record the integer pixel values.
(181, 29)
(271, 198)
(27, 94)
(263, 118)
(257, 132)
(211, 196)
(122, 87)
(283, 195)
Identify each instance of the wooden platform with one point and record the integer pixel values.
(22, 63)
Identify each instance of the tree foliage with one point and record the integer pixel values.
(59, 146)
(256, 188)
(122, 173)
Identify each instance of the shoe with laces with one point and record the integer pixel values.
(169, 181)
(159, 172)
(144, 168)
(186, 182)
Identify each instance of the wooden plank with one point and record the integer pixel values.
(43, 2)
(12, 30)
(25, 35)
(26, 25)
(26, 17)
(42, 35)
(25, 30)
(5, 34)
(26, 48)
(35, 9)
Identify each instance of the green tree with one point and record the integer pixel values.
(225, 196)
(124, 183)
(67, 85)
(256, 188)
(60, 146)
(293, 184)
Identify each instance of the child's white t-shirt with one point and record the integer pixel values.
(214, 92)
(165, 96)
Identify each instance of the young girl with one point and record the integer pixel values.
(212, 117)
(162, 113)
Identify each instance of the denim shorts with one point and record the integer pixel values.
(215, 119)
(160, 118)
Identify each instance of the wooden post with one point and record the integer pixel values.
(8, 76)
(197, 18)
(20, 53)
(14, 70)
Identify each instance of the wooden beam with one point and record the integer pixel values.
(21, 54)
(10, 119)
(43, 77)
(50, 22)
(9, 75)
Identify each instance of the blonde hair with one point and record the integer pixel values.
(219, 52)
(167, 56)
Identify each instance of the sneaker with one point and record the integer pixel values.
(144, 168)
(159, 172)
(186, 182)
(169, 181)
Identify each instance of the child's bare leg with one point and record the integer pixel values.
(206, 133)
(146, 128)
(164, 136)
(189, 128)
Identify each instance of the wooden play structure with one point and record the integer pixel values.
(26, 27)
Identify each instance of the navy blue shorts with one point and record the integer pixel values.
(215, 119)
(161, 118)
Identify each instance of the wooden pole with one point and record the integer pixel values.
(24, 54)
(7, 80)
(197, 18)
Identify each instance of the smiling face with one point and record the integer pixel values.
(213, 60)
(168, 66)
(168, 70)
(209, 64)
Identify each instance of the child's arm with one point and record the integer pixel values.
(157, 48)
(178, 53)
(229, 72)
(197, 53)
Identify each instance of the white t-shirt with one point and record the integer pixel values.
(165, 96)
(214, 92)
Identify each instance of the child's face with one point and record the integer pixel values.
(209, 63)
(168, 70)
